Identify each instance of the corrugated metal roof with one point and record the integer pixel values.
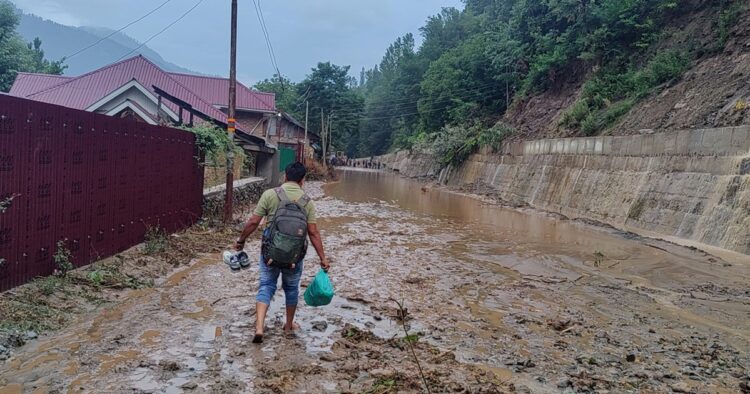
(28, 83)
(215, 90)
(83, 91)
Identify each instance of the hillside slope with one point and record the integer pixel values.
(59, 41)
(713, 92)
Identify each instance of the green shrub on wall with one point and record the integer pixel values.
(214, 143)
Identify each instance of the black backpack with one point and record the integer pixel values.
(286, 242)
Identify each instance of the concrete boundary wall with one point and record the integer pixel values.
(728, 141)
(692, 184)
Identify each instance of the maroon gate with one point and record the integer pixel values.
(94, 181)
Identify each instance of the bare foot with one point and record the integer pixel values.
(291, 330)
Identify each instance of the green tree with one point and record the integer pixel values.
(287, 98)
(461, 87)
(392, 93)
(17, 56)
(330, 88)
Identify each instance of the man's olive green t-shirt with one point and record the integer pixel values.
(269, 202)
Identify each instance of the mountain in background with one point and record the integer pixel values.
(60, 40)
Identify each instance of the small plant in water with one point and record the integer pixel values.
(598, 258)
(410, 340)
(62, 259)
(50, 285)
(155, 240)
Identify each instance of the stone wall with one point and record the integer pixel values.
(690, 184)
(246, 191)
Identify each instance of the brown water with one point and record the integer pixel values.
(528, 241)
(546, 303)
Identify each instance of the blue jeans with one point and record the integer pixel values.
(269, 277)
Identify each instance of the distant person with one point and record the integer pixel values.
(292, 200)
(332, 160)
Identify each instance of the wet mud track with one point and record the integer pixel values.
(494, 295)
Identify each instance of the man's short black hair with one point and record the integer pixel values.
(295, 172)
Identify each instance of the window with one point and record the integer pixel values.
(272, 126)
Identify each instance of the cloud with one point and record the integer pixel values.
(50, 9)
(303, 32)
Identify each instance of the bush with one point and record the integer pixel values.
(155, 240)
(601, 119)
(214, 143)
(612, 93)
(62, 259)
(453, 144)
(576, 114)
(49, 285)
(728, 17)
(317, 172)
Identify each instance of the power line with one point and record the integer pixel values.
(268, 38)
(118, 30)
(396, 105)
(362, 118)
(269, 45)
(76, 53)
(162, 30)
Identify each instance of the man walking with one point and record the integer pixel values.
(277, 244)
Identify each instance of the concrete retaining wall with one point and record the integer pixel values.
(689, 184)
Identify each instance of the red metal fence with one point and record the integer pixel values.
(94, 181)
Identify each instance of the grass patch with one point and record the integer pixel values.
(51, 285)
(20, 315)
(155, 240)
(383, 386)
(613, 92)
(728, 18)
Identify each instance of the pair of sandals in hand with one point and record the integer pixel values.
(237, 261)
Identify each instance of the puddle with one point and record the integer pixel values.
(319, 326)
(150, 337)
(14, 388)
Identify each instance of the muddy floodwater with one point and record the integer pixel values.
(535, 301)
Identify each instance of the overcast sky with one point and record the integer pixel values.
(303, 32)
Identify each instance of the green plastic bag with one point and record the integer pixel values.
(320, 291)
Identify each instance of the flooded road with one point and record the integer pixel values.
(494, 294)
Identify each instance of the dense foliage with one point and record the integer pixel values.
(473, 64)
(16, 55)
(449, 93)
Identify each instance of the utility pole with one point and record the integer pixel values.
(307, 117)
(229, 192)
(330, 136)
(323, 135)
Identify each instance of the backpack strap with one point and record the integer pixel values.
(303, 201)
(281, 194)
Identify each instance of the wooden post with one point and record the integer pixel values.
(307, 116)
(229, 192)
(158, 111)
(323, 136)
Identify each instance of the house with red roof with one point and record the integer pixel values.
(137, 88)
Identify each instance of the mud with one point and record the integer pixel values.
(498, 300)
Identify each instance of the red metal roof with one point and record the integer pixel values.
(203, 93)
(215, 91)
(28, 83)
(83, 91)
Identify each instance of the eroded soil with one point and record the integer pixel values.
(498, 300)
